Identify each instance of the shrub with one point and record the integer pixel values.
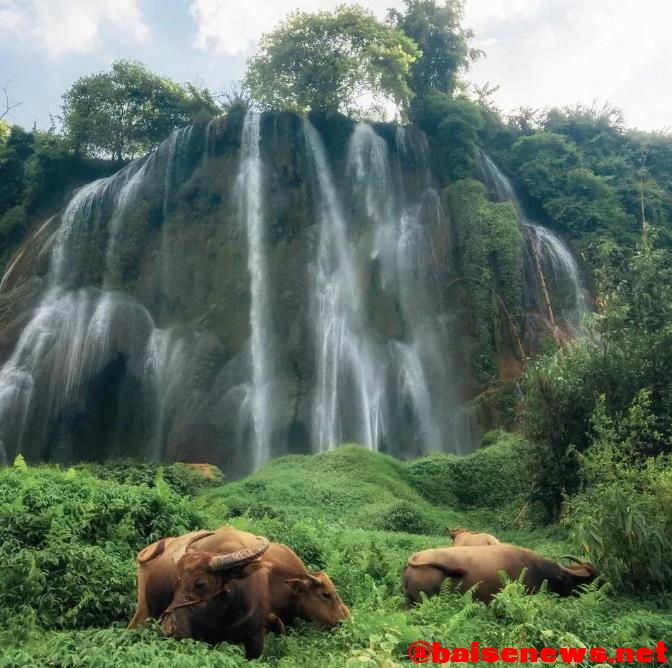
(624, 514)
(183, 479)
(68, 542)
(406, 518)
(492, 477)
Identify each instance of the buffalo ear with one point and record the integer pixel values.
(586, 571)
(297, 585)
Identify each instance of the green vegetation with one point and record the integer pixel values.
(444, 44)
(591, 471)
(327, 61)
(490, 253)
(127, 111)
(68, 539)
(623, 364)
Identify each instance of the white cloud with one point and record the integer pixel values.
(560, 52)
(541, 52)
(233, 27)
(58, 27)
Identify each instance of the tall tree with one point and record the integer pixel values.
(436, 28)
(331, 61)
(128, 110)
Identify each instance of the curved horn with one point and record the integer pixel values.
(226, 562)
(314, 579)
(574, 559)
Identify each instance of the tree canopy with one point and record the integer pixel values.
(331, 61)
(435, 27)
(128, 110)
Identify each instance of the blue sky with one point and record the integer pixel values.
(540, 52)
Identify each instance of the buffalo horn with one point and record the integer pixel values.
(572, 558)
(225, 562)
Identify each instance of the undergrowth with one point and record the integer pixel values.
(68, 538)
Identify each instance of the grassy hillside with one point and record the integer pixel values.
(68, 540)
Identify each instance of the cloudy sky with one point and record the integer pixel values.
(540, 52)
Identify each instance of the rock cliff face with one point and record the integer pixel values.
(255, 286)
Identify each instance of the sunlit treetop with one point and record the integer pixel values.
(332, 61)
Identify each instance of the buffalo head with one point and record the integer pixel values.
(212, 593)
(317, 600)
(580, 572)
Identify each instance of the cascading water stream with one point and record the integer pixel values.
(366, 385)
(78, 331)
(350, 375)
(251, 206)
(403, 228)
(547, 258)
(174, 147)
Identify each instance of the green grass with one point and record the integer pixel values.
(68, 541)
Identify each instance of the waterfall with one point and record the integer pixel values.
(552, 279)
(368, 384)
(251, 207)
(168, 323)
(350, 374)
(174, 146)
(79, 331)
(404, 229)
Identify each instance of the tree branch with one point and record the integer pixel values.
(7, 106)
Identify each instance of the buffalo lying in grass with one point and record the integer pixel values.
(481, 566)
(229, 585)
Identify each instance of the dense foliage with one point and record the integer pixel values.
(37, 168)
(68, 538)
(127, 111)
(329, 61)
(436, 28)
(627, 351)
(490, 251)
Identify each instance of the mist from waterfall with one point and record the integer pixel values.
(553, 285)
(251, 207)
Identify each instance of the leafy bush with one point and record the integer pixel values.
(406, 518)
(183, 479)
(624, 514)
(68, 542)
(493, 476)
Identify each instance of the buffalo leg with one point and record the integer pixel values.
(275, 624)
(254, 645)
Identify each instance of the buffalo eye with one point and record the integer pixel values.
(326, 594)
(200, 584)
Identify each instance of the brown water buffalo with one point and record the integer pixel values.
(176, 579)
(464, 537)
(481, 565)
